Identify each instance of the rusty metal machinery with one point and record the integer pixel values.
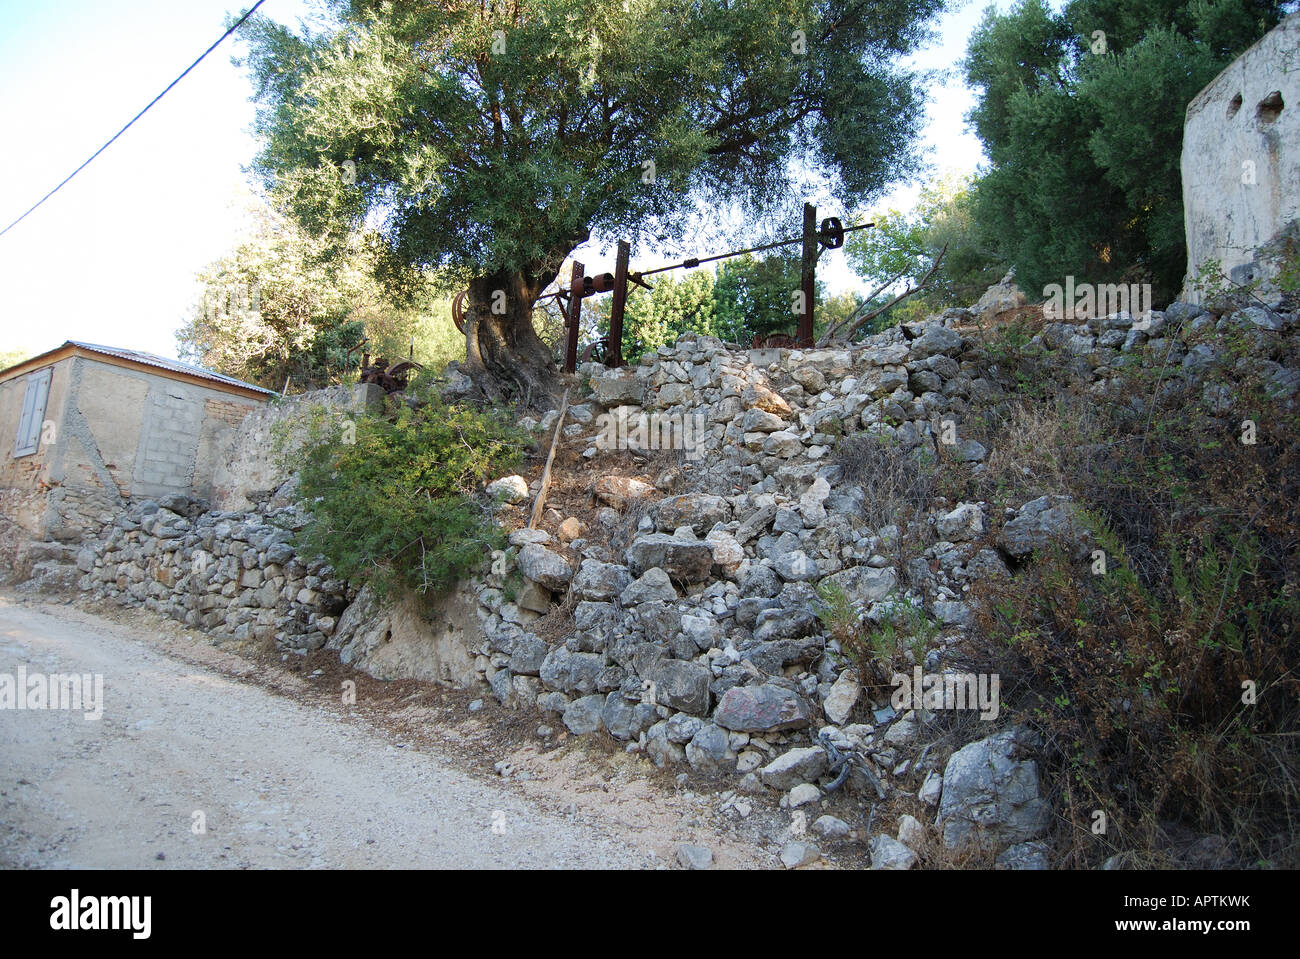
(393, 378)
(609, 349)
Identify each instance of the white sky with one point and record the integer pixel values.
(111, 258)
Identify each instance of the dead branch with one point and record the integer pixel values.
(846, 328)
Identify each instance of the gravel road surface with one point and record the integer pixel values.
(278, 783)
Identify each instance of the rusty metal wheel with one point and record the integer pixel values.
(458, 310)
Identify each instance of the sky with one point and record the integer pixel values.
(111, 258)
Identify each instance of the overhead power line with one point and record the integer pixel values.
(235, 26)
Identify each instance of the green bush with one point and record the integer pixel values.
(394, 499)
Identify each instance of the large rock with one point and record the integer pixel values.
(702, 630)
(812, 504)
(583, 715)
(789, 622)
(652, 587)
(545, 568)
(888, 853)
(661, 621)
(617, 491)
(700, 511)
(709, 750)
(864, 585)
(1026, 856)
(756, 395)
(839, 702)
(660, 749)
(1041, 522)
(784, 443)
(570, 672)
(796, 566)
(936, 339)
(509, 489)
(599, 582)
(761, 421)
(684, 560)
(796, 853)
(402, 638)
(1000, 298)
(966, 522)
(803, 765)
(527, 655)
(619, 388)
(990, 794)
(681, 685)
(626, 720)
(772, 657)
(762, 709)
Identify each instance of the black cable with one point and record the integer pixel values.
(238, 23)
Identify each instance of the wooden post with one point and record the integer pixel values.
(808, 274)
(575, 316)
(615, 358)
(542, 490)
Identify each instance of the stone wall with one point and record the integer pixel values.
(235, 574)
(252, 471)
(695, 638)
(1241, 158)
(231, 574)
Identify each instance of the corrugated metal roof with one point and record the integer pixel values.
(162, 362)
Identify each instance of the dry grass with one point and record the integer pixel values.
(1133, 676)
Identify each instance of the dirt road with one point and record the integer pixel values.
(275, 782)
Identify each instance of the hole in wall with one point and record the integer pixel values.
(1270, 108)
(1233, 106)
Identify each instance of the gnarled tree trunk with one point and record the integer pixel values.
(503, 353)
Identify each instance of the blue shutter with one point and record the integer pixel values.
(34, 400)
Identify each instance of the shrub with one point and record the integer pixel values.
(877, 649)
(898, 482)
(394, 499)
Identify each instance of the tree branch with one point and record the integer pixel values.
(862, 321)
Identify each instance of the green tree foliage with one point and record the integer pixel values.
(281, 306)
(1082, 114)
(903, 247)
(393, 498)
(680, 303)
(756, 295)
(488, 140)
(10, 358)
(744, 297)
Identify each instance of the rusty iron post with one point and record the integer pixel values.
(575, 317)
(808, 274)
(615, 358)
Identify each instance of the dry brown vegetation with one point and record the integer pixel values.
(1134, 671)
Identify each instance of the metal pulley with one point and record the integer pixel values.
(831, 234)
(600, 283)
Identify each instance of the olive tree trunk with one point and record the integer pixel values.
(504, 356)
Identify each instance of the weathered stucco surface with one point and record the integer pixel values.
(1241, 159)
